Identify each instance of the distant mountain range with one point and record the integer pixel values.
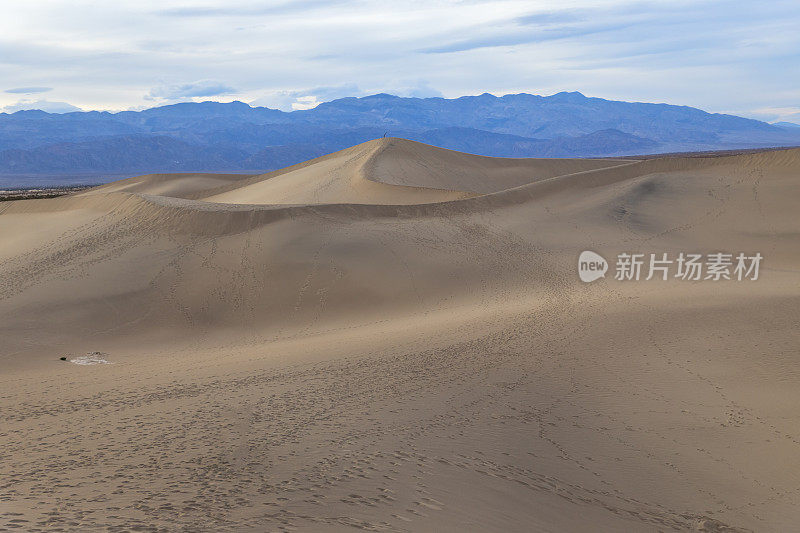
(212, 136)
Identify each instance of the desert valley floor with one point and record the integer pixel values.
(394, 337)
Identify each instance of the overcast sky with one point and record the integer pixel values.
(738, 57)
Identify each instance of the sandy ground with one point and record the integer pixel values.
(394, 338)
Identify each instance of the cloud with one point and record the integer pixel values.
(190, 90)
(299, 99)
(414, 89)
(42, 105)
(494, 41)
(778, 114)
(29, 90)
(305, 102)
(551, 17)
(243, 11)
(552, 25)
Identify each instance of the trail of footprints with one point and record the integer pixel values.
(289, 448)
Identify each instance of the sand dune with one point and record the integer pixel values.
(394, 338)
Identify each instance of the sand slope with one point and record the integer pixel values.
(394, 338)
(170, 185)
(342, 177)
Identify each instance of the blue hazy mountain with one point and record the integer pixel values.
(212, 136)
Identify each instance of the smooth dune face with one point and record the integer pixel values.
(394, 337)
(419, 165)
(338, 178)
(170, 185)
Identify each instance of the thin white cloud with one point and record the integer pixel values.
(294, 99)
(230, 9)
(297, 99)
(42, 105)
(28, 90)
(190, 90)
(779, 114)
